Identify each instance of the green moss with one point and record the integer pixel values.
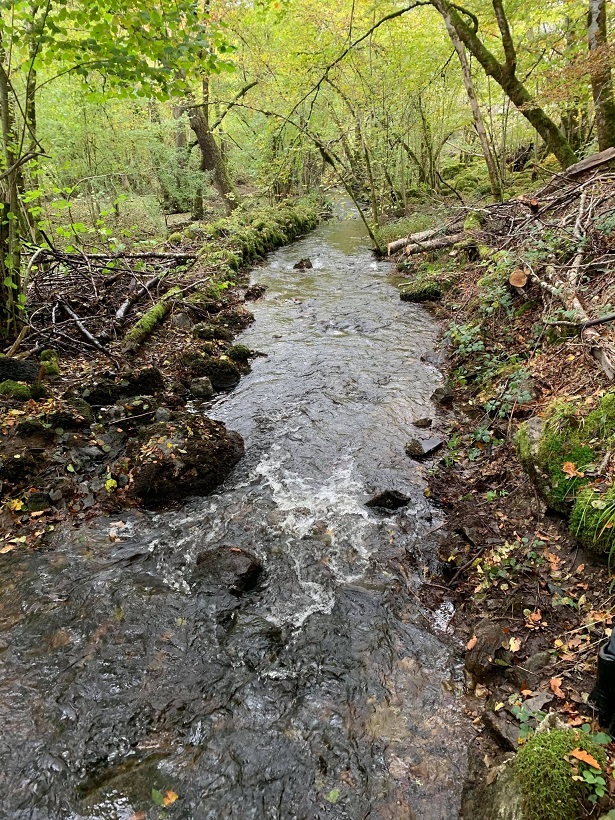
(473, 221)
(15, 390)
(238, 353)
(568, 436)
(146, 324)
(421, 292)
(545, 776)
(175, 238)
(592, 520)
(49, 358)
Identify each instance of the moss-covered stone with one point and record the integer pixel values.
(239, 353)
(15, 390)
(421, 292)
(592, 520)
(473, 221)
(567, 436)
(549, 791)
(210, 330)
(49, 360)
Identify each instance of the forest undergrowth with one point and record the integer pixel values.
(526, 478)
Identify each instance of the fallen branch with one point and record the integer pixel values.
(131, 300)
(84, 331)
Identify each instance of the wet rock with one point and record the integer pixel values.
(163, 414)
(388, 500)
(182, 458)
(232, 568)
(491, 791)
(181, 321)
(303, 264)
(201, 388)
(505, 732)
(17, 370)
(485, 642)
(420, 449)
(223, 374)
(423, 423)
(252, 640)
(443, 395)
(255, 292)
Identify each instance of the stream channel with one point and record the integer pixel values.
(327, 690)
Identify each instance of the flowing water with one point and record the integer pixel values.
(327, 690)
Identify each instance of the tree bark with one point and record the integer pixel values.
(479, 125)
(600, 72)
(505, 75)
(211, 156)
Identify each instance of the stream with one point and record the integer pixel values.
(325, 691)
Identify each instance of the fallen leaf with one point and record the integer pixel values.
(7, 548)
(555, 684)
(514, 644)
(169, 797)
(585, 757)
(472, 642)
(570, 468)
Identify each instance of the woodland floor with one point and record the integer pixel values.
(506, 559)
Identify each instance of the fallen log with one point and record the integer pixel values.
(398, 244)
(146, 324)
(588, 164)
(434, 244)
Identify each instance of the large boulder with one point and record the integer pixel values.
(177, 459)
(232, 568)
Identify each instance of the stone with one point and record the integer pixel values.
(420, 449)
(38, 501)
(181, 321)
(188, 456)
(538, 661)
(143, 382)
(486, 640)
(18, 370)
(223, 374)
(423, 423)
(163, 414)
(210, 331)
(443, 395)
(202, 388)
(388, 500)
(504, 731)
(303, 264)
(255, 292)
(233, 568)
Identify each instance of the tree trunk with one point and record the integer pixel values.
(600, 71)
(506, 77)
(211, 156)
(479, 125)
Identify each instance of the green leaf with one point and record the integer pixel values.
(157, 797)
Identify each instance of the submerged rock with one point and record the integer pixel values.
(187, 457)
(420, 449)
(232, 568)
(303, 264)
(388, 500)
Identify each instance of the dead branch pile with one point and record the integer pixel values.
(79, 301)
(561, 239)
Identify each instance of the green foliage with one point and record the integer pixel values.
(592, 520)
(546, 772)
(466, 339)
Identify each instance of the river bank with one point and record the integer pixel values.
(524, 557)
